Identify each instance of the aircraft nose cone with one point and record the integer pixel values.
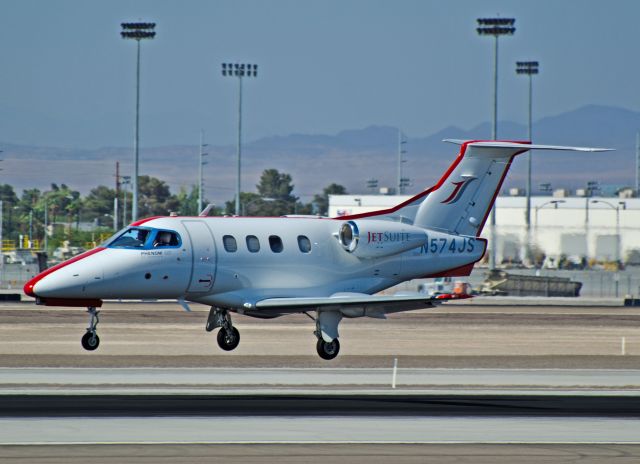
(28, 287)
(52, 283)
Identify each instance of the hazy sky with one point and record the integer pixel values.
(67, 78)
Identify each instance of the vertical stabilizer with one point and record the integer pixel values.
(461, 201)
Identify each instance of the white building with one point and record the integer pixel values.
(577, 227)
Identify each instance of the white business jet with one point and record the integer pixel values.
(327, 268)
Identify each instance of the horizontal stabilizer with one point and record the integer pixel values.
(521, 145)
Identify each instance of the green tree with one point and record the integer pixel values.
(28, 202)
(61, 201)
(98, 204)
(275, 188)
(9, 202)
(154, 197)
(250, 204)
(322, 200)
(188, 202)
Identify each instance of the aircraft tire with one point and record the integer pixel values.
(228, 340)
(90, 341)
(326, 350)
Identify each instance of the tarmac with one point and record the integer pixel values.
(474, 383)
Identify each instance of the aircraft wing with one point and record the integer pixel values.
(371, 303)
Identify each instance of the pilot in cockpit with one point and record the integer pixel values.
(162, 239)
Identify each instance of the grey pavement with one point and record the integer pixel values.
(318, 430)
(77, 378)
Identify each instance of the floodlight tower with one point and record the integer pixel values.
(239, 71)
(495, 27)
(528, 68)
(137, 32)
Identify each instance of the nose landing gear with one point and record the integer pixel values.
(90, 339)
(326, 331)
(228, 336)
(329, 350)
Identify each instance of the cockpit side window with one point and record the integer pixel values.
(166, 238)
(131, 238)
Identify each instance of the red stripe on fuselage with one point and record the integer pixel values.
(445, 176)
(139, 222)
(442, 180)
(28, 287)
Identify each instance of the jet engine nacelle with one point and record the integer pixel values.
(375, 238)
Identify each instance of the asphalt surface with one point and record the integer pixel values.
(379, 405)
(150, 380)
(318, 429)
(322, 453)
(451, 336)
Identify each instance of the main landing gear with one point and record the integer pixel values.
(90, 340)
(228, 336)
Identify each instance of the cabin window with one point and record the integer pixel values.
(230, 243)
(275, 243)
(304, 244)
(253, 244)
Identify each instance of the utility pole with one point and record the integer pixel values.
(402, 182)
(637, 164)
(46, 225)
(115, 200)
(1, 242)
(30, 228)
(495, 27)
(137, 32)
(126, 180)
(239, 71)
(201, 163)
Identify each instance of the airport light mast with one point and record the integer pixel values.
(402, 182)
(528, 68)
(240, 71)
(201, 163)
(137, 31)
(495, 27)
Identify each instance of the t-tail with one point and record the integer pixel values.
(461, 200)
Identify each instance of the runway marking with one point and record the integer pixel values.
(322, 442)
(328, 368)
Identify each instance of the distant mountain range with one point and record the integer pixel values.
(349, 157)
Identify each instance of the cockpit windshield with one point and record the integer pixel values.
(131, 238)
(144, 238)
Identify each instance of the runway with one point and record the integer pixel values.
(163, 335)
(314, 429)
(177, 380)
(473, 384)
(318, 405)
(321, 453)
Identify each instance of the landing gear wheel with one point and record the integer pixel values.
(228, 339)
(328, 350)
(90, 341)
